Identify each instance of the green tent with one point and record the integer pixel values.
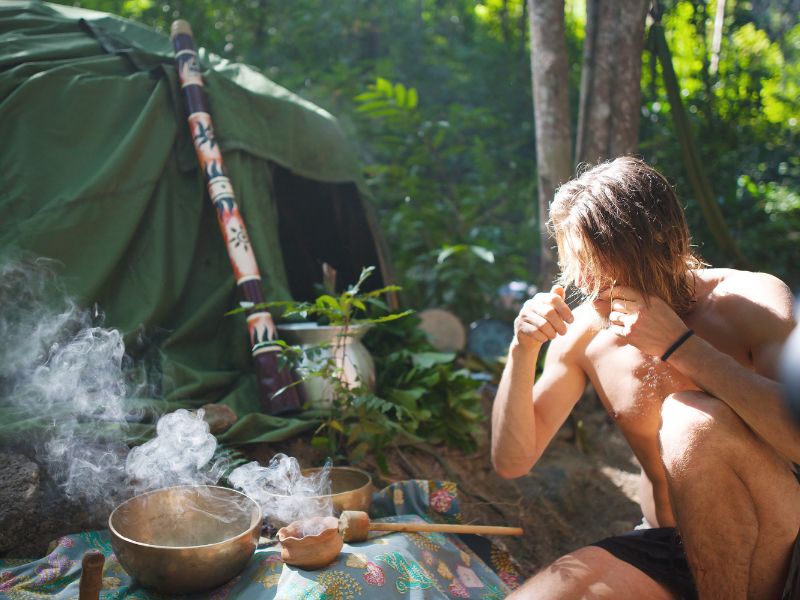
(99, 174)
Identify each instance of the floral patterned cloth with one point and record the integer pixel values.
(402, 565)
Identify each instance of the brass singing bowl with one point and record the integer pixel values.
(351, 488)
(185, 539)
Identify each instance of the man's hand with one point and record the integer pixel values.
(542, 318)
(650, 326)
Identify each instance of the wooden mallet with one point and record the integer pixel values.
(355, 525)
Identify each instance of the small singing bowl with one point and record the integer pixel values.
(311, 543)
(185, 539)
(351, 488)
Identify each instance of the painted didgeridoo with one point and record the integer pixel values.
(262, 330)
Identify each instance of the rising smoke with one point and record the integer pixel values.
(284, 493)
(69, 377)
(180, 454)
(61, 372)
(65, 388)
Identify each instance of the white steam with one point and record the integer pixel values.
(178, 455)
(60, 370)
(64, 397)
(66, 375)
(82, 382)
(283, 492)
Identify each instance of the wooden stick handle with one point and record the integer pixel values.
(446, 528)
(91, 575)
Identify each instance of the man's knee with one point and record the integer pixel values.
(569, 576)
(591, 572)
(692, 425)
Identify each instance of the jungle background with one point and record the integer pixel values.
(438, 98)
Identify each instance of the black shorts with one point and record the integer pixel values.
(658, 553)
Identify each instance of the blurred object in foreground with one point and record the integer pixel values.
(790, 370)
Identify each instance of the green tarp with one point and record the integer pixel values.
(99, 174)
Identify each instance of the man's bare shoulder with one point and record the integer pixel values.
(746, 293)
(580, 332)
(756, 306)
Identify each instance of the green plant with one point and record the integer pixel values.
(440, 397)
(343, 309)
(421, 395)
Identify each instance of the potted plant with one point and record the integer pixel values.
(328, 354)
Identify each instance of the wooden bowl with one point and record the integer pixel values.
(311, 543)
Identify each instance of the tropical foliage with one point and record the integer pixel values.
(436, 94)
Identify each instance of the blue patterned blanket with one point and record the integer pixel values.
(408, 565)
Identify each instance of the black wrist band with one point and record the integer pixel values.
(677, 344)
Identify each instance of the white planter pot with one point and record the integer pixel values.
(357, 365)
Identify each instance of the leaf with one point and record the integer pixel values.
(319, 442)
(355, 288)
(372, 106)
(426, 360)
(483, 253)
(384, 85)
(368, 96)
(327, 301)
(245, 306)
(354, 434)
(400, 94)
(468, 414)
(383, 290)
(380, 458)
(407, 398)
(384, 318)
(284, 388)
(449, 251)
(357, 454)
(412, 98)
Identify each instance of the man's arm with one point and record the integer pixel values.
(760, 307)
(525, 417)
(754, 395)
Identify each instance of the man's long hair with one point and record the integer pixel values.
(620, 223)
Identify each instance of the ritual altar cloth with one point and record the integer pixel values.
(397, 565)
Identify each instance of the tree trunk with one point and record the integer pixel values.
(551, 113)
(608, 123)
(698, 179)
(716, 41)
(587, 79)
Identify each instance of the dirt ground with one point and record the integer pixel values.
(583, 489)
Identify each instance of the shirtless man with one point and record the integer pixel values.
(684, 360)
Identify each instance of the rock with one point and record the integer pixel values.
(219, 417)
(34, 512)
(19, 498)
